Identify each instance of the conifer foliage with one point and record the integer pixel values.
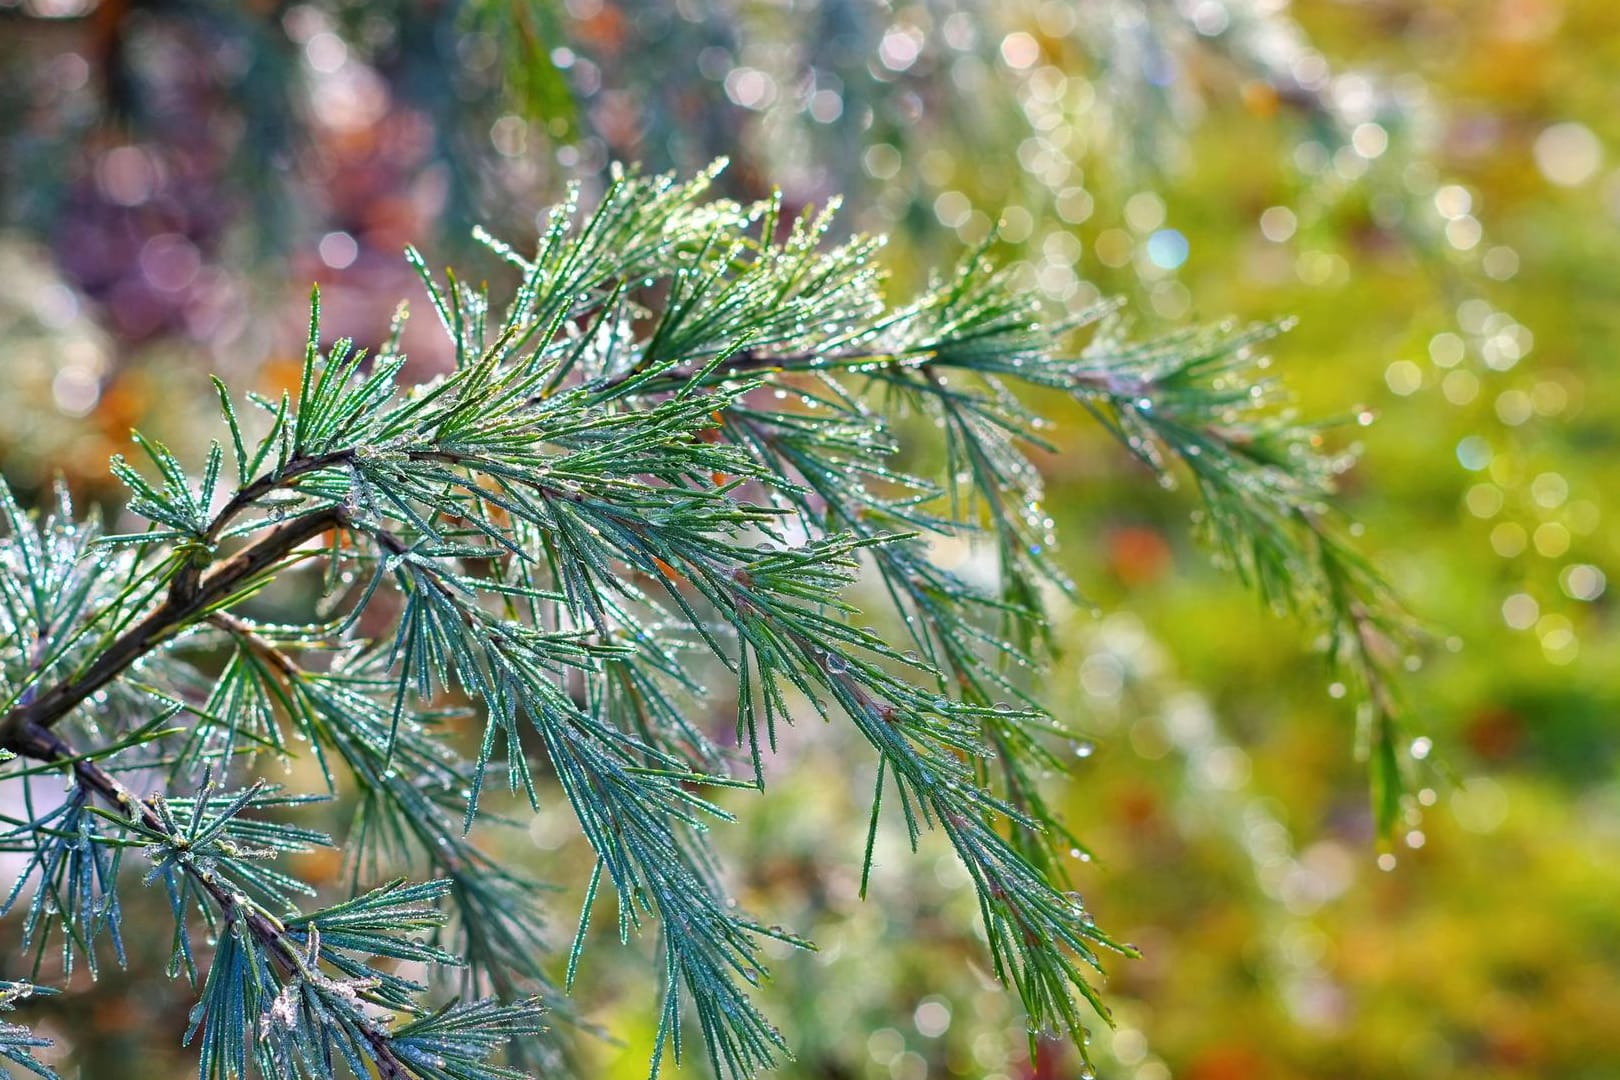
(664, 464)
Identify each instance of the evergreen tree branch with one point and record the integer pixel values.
(178, 611)
(668, 459)
(295, 947)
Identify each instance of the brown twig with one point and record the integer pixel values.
(174, 614)
(42, 744)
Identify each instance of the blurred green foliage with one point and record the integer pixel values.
(1222, 803)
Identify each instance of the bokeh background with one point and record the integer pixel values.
(1430, 187)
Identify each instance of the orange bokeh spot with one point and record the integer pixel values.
(1138, 555)
(1260, 98)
